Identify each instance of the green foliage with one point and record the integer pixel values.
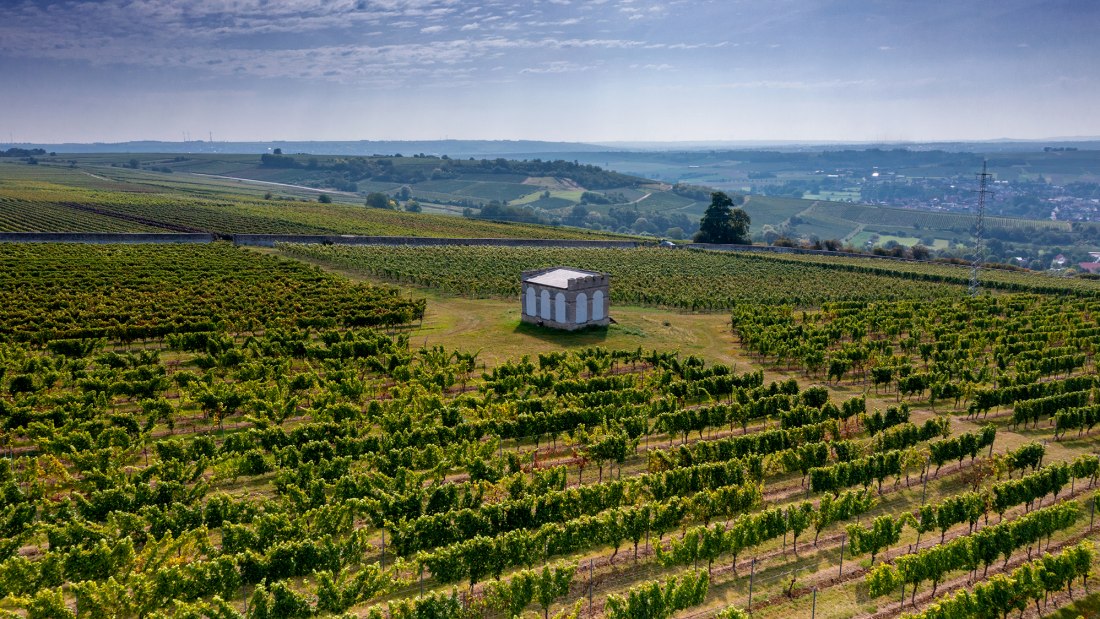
(337, 592)
(961, 446)
(277, 601)
(654, 600)
(139, 292)
(884, 532)
(48, 604)
(131, 495)
(1049, 479)
(748, 530)
(525, 587)
(968, 552)
(1002, 594)
(723, 224)
(862, 472)
(379, 200)
(703, 280)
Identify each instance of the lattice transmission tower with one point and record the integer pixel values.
(979, 231)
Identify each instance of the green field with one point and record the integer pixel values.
(62, 199)
(925, 220)
(145, 292)
(212, 431)
(836, 220)
(771, 211)
(563, 198)
(861, 239)
(501, 192)
(446, 186)
(703, 280)
(663, 201)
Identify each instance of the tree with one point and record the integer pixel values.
(722, 223)
(378, 200)
(324, 198)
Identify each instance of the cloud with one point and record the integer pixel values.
(353, 63)
(344, 41)
(571, 21)
(689, 46)
(214, 18)
(557, 67)
(797, 84)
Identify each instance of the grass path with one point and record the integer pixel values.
(493, 327)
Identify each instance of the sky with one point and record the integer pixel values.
(564, 70)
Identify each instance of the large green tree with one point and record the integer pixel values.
(722, 223)
(378, 200)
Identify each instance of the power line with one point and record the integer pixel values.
(979, 231)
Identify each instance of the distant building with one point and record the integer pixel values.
(565, 298)
(1094, 266)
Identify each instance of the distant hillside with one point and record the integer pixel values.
(521, 148)
(453, 148)
(533, 191)
(95, 194)
(552, 191)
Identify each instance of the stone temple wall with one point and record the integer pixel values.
(585, 303)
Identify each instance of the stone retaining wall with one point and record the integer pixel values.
(104, 237)
(269, 240)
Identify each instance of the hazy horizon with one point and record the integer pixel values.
(597, 71)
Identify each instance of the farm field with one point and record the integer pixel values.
(867, 237)
(224, 193)
(705, 280)
(772, 211)
(997, 279)
(131, 293)
(52, 199)
(468, 183)
(857, 222)
(213, 431)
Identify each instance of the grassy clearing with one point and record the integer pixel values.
(862, 238)
(493, 326)
(571, 196)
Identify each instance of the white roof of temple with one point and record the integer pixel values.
(559, 278)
